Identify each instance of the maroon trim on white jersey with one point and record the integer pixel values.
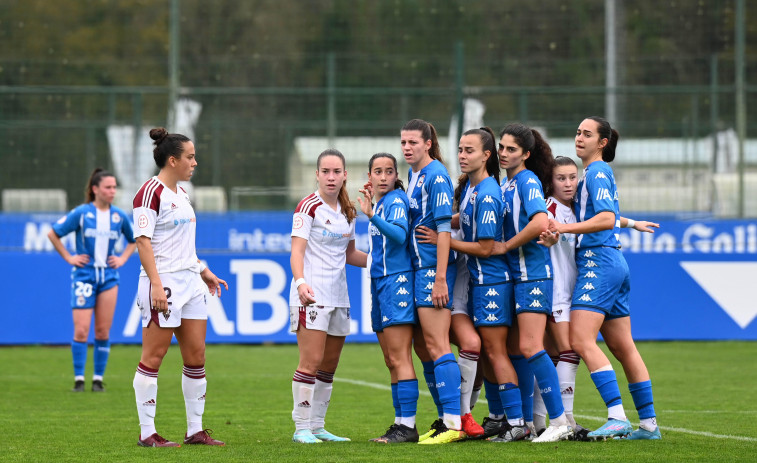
(552, 207)
(309, 205)
(149, 195)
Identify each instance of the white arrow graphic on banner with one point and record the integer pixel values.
(730, 284)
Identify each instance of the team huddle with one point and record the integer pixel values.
(490, 266)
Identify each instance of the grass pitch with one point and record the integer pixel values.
(705, 397)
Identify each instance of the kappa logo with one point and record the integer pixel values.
(403, 291)
(385, 319)
(313, 314)
(590, 264)
(491, 305)
(491, 292)
(531, 180)
(535, 304)
(402, 304)
(430, 273)
(430, 286)
(304, 404)
(517, 306)
(475, 319)
(439, 179)
(428, 298)
(585, 298)
(588, 286)
(488, 199)
(174, 206)
(601, 175)
(401, 279)
(536, 292)
(590, 274)
(588, 253)
(397, 200)
(491, 318)
(90, 215)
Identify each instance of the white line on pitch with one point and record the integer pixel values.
(384, 387)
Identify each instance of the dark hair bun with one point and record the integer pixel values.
(158, 134)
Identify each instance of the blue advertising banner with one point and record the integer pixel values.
(690, 280)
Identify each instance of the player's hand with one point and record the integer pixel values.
(500, 247)
(115, 261)
(644, 226)
(554, 226)
(307, 296)
(426, 235)
(368, 187)
(440, 294)
(78, 260)
(548, 238)
(158, 299)
(214, 283)
(365, 203)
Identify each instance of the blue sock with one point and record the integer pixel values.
(607, 385)
(79, 354)
(407, 396)
(428, 375)
(642, 398)
(525, 377)
(102, 351)
(510, 396)
(395, 401)
(549, 385)
(447, 374)
(492, 396)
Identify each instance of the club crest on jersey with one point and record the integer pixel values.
(313, 315)
(142, 221)
(80, 301)
(511, 186)
(115, 217)
(297, 223)
(167, 314)
(420, 181)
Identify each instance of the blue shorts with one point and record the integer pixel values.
(392, 301)
(88, 282)
(604, 283)
(424, 283)
(491, 305)
(533, 296)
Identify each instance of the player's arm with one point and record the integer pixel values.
(78, 260)
(535, 227)
(297, 262)
(605, 220)
(640, 225)
(356, 257)
(158, 299)
(481, 248)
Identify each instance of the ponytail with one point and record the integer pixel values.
(94, 180)
(541, 159)
(605, 131)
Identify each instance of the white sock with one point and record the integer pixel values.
(452, 421)
(474, 397)
(324, 383)
(650, 424)
(408, 421)
(566, 373)
(540, 410)
(303, 385)
(468, 362)
(97, 378)
(193, 385)
(146, 392)
(616, 412)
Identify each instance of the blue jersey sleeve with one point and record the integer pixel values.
(68, 223)
(440, 198)
(532, 197)
(126, 229)
(395, 227)
(486, 217)
(600, 189)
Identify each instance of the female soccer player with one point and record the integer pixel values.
(527, 159)
(430, 195)
(560, 193)
(171, 291)
(94, 281)
(490, 291)
(323, 241)
(601, 294)
(393, 308)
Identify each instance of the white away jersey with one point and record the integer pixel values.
(563, 255)
(328, 233)
(167, 218)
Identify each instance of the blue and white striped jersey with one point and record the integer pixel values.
(482, 219)
(524, 198)
(96, 231)
(430, 196)
(388, 255)
(597, 192)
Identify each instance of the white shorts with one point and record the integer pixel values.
(333, 320)
(561, 313)
(460, 291)
(187, 298)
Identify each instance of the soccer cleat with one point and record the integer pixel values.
(97, 386)
(78, 386)
(326, 436)
(580, 434)
(493, 427)
(305, 436)
(444, 436)
(643, 434)
(513, 434)
(472, 429)
(554, 434)
(611, 429)
(155, 440)
(436, 427)
(203, 438)
(398, 433)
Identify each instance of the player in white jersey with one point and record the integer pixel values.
(560, 194)
(323, 241)
(94, 279)
(172, 289)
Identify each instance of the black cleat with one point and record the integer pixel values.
(78, 386)
(580, 434)
(97, 386)
(398, 433)
(493, 427)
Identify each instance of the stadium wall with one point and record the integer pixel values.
(692, 280)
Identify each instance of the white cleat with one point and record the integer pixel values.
(555, 434)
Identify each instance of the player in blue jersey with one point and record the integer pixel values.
(430, 195)
(490, 291)
(94, 279)
(392, 308)
(601, 295)
(527, 159)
